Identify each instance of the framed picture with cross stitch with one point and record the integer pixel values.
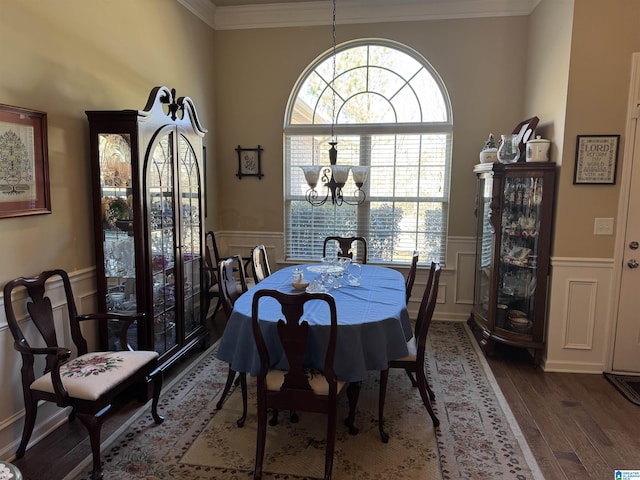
(249, 162)
(24, 169)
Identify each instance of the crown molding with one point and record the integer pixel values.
(301, 14)
(205, 10)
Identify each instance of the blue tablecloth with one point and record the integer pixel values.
(373, 325)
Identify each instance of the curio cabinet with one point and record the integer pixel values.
(514, 208)
(147, 177)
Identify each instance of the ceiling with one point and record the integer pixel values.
(243, 14)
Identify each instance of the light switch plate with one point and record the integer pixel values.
(603, 226)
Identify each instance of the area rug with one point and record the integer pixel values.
(477, 438)
(628, 385)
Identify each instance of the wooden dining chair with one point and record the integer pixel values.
(229, 293)
(261, 269)
(211, 260)
(298, 388)
(414, 362)
(411, 276)
(345, 247)
(88, 383)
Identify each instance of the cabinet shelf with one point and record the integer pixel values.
(514, 205)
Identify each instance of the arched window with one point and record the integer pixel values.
(389, 111)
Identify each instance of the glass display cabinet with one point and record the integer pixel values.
(514, 208)
(148, 209)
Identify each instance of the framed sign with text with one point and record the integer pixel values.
(596, 159)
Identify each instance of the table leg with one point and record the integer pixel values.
(353, 392)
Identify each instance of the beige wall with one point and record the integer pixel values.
(605, 34)
(480, 61)
(68, 56)
(548, 55)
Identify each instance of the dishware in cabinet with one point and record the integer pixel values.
(514, 208)
(148, 187)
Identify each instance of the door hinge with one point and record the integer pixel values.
(636, 111)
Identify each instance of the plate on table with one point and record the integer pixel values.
(325, 268)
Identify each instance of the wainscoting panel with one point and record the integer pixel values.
(466, 262)
(581, 301)
(579, 320)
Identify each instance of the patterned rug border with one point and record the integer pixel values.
(506, 410)
(486, 369)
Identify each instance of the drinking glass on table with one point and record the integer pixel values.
(354, 274)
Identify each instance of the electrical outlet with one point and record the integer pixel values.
(603, 226)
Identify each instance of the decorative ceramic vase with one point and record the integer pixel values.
(508, 151)
(538, 150)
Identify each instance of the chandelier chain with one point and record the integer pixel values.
(333, 82)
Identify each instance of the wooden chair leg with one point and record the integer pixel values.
(31, 409)
(331, 441)
(353, 393)
(411, 377)
(432, 396)
(230, 378)
(156, 378)
(260, 439)
(93, 424)
(384, 376)
(215, 310)
(422, 388)
(274, 418)
(243, 389)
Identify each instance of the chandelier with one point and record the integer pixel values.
(334, 177)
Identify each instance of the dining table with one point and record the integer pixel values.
(373, 324)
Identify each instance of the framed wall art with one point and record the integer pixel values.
(249, 163)
(24, 168)
(596, 159)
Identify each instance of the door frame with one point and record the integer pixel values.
(632, 123)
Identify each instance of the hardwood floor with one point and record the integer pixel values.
(577, 425)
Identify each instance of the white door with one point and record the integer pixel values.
(626, 355)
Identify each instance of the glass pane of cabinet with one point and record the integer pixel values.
(160, 202)
(191, 233)
(484, 240)
(519, 235)
(114, 152)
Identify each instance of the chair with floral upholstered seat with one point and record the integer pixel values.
(87, 383)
